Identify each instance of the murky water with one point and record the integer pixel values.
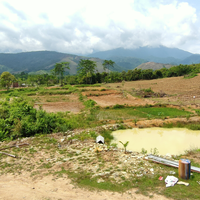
(173, 141)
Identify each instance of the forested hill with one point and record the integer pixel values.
(30, 61)
(42, 61)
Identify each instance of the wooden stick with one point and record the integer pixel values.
(17, 145)
(8, 154)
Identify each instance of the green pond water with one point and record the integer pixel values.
(174, 141)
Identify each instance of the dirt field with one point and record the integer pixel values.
(179, 91)
(62, 103)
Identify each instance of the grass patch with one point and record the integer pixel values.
(86, 85)
(191, 126)
(159, 112)
(84, 179)
(120, 112)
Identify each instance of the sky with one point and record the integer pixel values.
(85, 26)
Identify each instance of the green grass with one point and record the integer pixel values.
(140, 112)
(159, 112)
(84, 179)
(145, 185)
(86, 85)
(31, 91)
(191, 126)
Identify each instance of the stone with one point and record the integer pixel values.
(139, 175)
(168, 155)
(62, 140)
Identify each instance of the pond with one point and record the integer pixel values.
(174, 141)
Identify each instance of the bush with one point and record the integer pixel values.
(118, 106)
(198, 112)
(89, 103)
(149, 90)
(20, 119)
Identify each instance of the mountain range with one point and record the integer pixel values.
(159, 54)
(125, 59)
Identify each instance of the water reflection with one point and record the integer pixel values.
(173, 141)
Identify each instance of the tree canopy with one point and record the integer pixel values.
(86, 69)
(6, 79)
(107, 64)
(60, 69)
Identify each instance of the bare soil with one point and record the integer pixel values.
(121, 99)
(47, 188)
(59, 103)
(179, 91)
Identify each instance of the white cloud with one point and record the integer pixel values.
(80, 26)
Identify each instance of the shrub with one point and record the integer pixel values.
(149, 90)
(118, 106)
(89, 103)
(198, 112)
(20, 119)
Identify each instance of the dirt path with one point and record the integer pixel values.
(23, 187)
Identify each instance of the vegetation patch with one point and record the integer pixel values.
(121, 112)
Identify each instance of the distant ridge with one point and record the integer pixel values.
(147, 53)
(193, 59)
(167, 56)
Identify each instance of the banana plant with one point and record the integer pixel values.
(125, 145)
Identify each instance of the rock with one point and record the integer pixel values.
(100, 180)
(168, 155)
(151, 169)
(62, 140)
(139, 157)
(139, 175)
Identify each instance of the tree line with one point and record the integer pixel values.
(87, 74)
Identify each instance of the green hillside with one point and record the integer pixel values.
(40, 62)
